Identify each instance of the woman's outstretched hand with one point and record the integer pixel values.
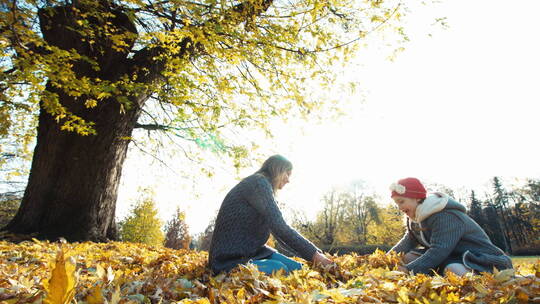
(402, 268)
(321, 259)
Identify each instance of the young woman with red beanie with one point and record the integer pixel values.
(450, 239)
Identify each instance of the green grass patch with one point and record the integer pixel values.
(518, 260)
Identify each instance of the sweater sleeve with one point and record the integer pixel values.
(447, 230)
(262, 199)
(406, 244)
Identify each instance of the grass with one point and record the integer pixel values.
(518, 260)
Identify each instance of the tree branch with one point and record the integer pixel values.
(145, 57)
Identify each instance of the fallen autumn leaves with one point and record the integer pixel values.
(36, 272)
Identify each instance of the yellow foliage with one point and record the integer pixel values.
(143, 225)
(136, 273)
(209, 64)
(60, 288)
(95, 296)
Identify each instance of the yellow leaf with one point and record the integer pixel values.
(61, 286)
(334, 294)
(90, 103)
(452, 297)
(392, 274)
(115, 297)
(505, 275)
(403, 295)
(241, 294)
(437, 282)
(100, 272)
(391, 286)
(95, 296)
(102, 95)
(481, 289)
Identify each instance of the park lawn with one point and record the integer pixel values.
(519, 260)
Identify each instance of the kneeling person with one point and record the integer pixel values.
(248, 215)
(452, 240)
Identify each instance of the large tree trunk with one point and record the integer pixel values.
(73, 184)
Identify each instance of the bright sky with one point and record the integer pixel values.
(456, 108)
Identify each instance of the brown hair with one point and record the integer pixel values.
(273, 167)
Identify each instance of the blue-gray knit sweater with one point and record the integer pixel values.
(246, 218)
(451, 232)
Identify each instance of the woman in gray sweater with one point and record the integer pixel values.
(248, 215)
(451, 240)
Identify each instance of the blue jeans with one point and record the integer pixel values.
(276, 262)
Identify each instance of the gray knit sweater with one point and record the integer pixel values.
(451, 232)
(246, 218)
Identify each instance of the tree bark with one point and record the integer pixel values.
(73, 183)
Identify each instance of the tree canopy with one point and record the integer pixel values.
(202, 66)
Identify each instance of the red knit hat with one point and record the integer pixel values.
(408, 187)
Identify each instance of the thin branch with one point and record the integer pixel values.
(154, 157)
(367, 33)
(303, 51)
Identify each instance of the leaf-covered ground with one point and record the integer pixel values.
(36, 272)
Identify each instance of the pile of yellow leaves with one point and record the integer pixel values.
(37, 272)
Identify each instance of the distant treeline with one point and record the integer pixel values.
(511, 218)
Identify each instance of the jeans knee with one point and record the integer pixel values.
(457, 268)
(290, 263)
(270, 266)
(294, 265)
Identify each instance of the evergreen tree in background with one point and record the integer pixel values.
(142, 225)
(500, 203)
(532, 192)
(521, 227)
(494, 229)
(526, 216)
(475, 210)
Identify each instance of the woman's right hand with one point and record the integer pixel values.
(319, 258)
(402, 268)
